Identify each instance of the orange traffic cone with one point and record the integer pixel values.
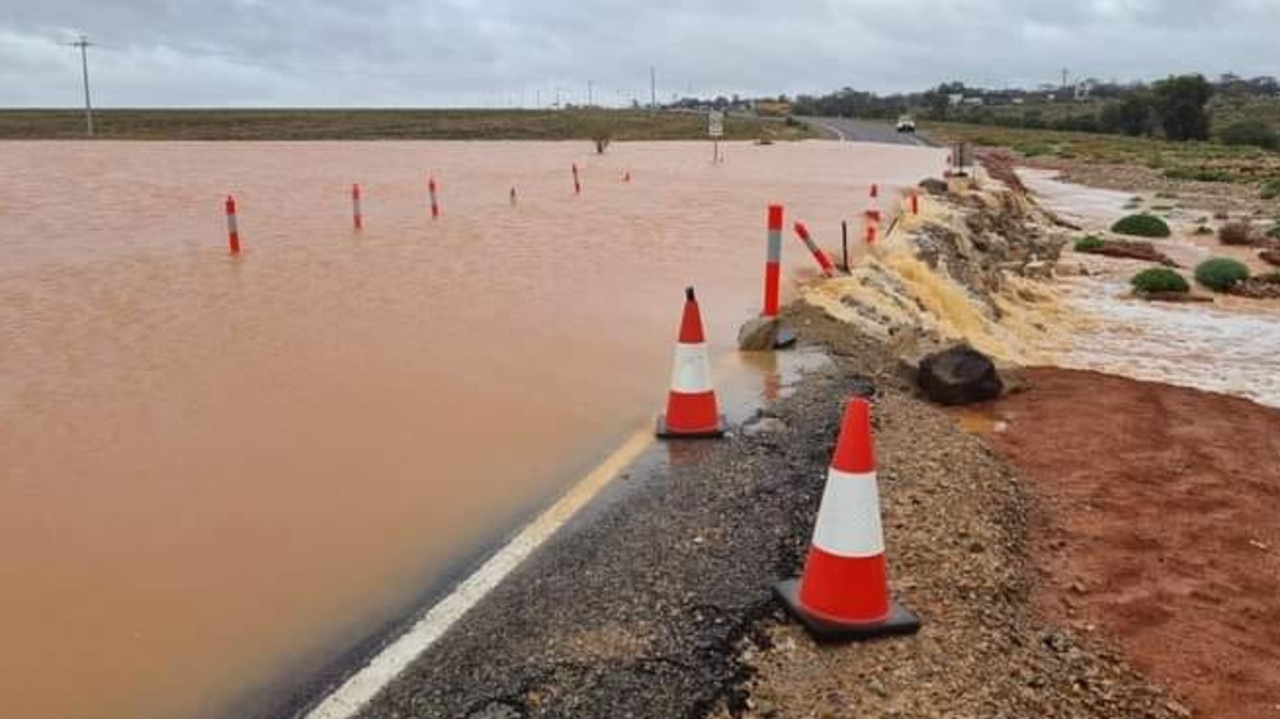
(692, 409)
(843, 592)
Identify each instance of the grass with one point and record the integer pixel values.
(620, 125)
(1199, 161)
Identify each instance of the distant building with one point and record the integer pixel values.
(956, 98)
(974, 100)
(1084, 89)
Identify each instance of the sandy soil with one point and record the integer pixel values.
(1155, 525)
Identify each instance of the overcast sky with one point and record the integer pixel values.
(503, 52)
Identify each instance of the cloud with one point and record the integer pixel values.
(501, 52)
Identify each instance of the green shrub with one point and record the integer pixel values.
(1034, 149)
(1221, 274)
(1274, 232)
(1199, 174)
(1090, 243)
(1236, 233)
(1141, 226)
(1159, 279)
(1202, 230)
(1257, 133)
(1271, 188)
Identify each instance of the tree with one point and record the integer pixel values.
(1251, 132)
(1179, 103)
(938, 104)
(1130, 116)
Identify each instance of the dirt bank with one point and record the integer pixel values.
(1155, 524)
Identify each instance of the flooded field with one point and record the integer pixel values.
(218, 474)
(1228, 346)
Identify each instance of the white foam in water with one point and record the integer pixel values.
(1183, 344)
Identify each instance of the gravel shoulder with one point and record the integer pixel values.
(658, 604)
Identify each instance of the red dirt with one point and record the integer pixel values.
(1159, 524)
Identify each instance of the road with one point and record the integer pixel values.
(851, 130)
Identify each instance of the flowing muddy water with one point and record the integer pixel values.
(1228, 346)
(217, 474)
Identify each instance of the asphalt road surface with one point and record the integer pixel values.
(851, 130)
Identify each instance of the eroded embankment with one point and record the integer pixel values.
(1150, 507)
(967, 268)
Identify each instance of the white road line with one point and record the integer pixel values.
(391, 661)
(836, 130)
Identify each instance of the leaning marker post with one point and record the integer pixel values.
(802, 231)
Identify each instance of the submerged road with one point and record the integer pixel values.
(853, 130)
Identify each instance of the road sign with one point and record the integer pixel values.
(715, 124)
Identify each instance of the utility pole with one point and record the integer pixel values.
(1064, 78)
(83, 43)
(653, 89)
(590, 92)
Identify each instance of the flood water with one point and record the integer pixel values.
(1228, 346)
(217, 474)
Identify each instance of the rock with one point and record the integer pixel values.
(1038, 270)
(765, 425)
(758, 335)
(933, 187)
(959, 376)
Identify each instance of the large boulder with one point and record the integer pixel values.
(959, 376)
(758, 335)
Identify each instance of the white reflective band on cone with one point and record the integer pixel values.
(231, 223)
(692, 371)
(849, 521)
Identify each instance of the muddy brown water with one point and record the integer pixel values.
(217, 473)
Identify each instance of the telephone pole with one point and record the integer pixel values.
(83, 43)
(653, 89)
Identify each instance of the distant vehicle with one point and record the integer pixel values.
(906, 124)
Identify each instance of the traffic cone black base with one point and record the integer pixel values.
(901, 621)
(716, 433)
